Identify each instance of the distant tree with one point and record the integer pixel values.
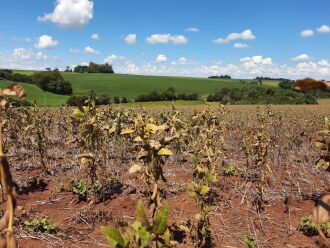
(53, 82)
(48, 69)
(116, 99)
(68, 69)
(94, 68)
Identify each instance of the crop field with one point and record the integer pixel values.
(129, 86)
(197, 176)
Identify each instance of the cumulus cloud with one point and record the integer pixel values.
(46, 42)
(245, 35)
(23, 58)
(255, 61)
(95, 37)
(247, 67)
(70, 13)
(130, 39)
(161, 58)
(323, 29)
(178, 39)
(89, 49)
(166, 38)
(110, 59)
(41, 56)
(307, 33)
(192, 29)
(301, 57)
(240, 45)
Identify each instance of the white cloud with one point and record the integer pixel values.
(73, 50)
(23, 53)
(301, 57)
(70, 13)
(45, 42)
(130, 39)
(307, 33)
(323, 29)
(41, 56)
(110, 59)
(179, 39)
(22, 58)
(95, 37)
(323, 62)
(192, 29)
(248, 67)
(161, 58)
(88, 49)
(166, 38)
(158, 38)
(240, 45)
(245, 35)
(84, 63)
(255, 61)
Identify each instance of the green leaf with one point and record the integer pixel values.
(135, 168)
(77, 114)
(204, 190)
(114, 237)
(141, 214)
(164, 152)
(167, 237)
(160, 224)
(190, 189)
(145, 237)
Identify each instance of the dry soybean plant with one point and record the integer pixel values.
(152, 142)
(257, 145)
(206, 142)
(7, 183)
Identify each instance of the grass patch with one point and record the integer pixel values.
(42, 98)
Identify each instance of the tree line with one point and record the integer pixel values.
(94, 68)
(51, 81)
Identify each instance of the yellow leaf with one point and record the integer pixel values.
(164, 152)
(127, 131)
(135, 168)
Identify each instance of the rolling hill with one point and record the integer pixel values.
(129, 86)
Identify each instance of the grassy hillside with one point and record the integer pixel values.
(131, 86)
(42, 98)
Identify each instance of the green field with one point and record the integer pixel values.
(129, 86)
(35, 94)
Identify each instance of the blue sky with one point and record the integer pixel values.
(188, 38)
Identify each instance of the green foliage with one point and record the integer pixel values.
(286, 84)
(260, 95)
(307, 226)
(141, 232)
(249, 241)
(52, 81)
(94, 68)
(325, 228)
(39, 226)
(168, 95)
(232, 170)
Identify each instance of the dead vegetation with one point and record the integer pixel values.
(216, 177)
